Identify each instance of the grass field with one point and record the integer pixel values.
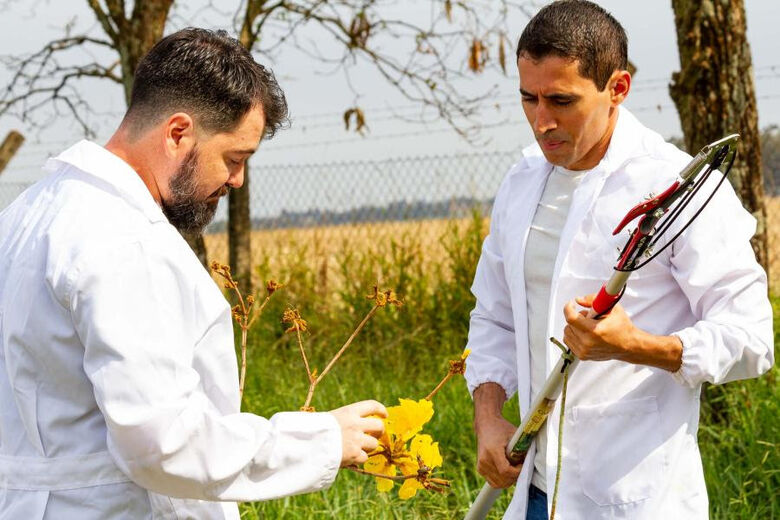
(321, 248)
(403, 353)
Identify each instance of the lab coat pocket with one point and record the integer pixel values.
(619, 449)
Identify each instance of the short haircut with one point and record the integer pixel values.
(581, 30)
(208, 75)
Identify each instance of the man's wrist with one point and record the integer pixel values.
(489, 399)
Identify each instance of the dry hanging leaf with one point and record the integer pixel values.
(360, 119)
(501, 52)
(359, 30)
(477, 56)
(448, 10)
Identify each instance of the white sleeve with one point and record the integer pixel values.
(715, 267)
(491, 328)
(135, 314)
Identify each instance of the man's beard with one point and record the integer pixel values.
(185, 211)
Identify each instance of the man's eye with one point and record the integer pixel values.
(529, 99)
(563, 102)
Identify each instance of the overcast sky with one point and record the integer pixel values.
(316, 100)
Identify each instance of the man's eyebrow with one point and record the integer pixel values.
(555, 96)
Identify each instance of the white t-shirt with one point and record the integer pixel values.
(540, 254)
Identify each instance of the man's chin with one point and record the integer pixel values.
(557, 158)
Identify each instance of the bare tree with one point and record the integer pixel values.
(41, 80)
(715, 95)
(422, 61)
(435, 55)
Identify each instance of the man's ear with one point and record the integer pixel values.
(179, 135)
(619, 85)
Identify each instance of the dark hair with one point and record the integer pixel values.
(209, 75)
(581, 30)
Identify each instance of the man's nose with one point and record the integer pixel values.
(237, 179)
(544, 121)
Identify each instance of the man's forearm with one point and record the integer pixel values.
(657, 351)
(489, 399)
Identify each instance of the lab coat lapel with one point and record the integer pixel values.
(520, 212)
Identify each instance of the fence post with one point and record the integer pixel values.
(10, 146)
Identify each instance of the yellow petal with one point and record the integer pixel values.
(383, 485)
(465, 353)
(408, 418)
(424, 447)
(408, 465)
(376, 464)
(409, 489)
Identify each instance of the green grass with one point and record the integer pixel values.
(739, 438)
(404, 352)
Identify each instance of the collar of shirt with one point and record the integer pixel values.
(95, 160)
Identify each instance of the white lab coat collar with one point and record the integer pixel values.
(96, 161)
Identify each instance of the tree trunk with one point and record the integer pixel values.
(715, 96)
(239, 235)
(239, 216)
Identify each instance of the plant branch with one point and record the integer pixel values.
(313, 384)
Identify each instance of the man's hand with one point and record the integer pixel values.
(614, 336)
(493, 434)
(359, 431)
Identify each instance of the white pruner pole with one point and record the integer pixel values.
(541, 407)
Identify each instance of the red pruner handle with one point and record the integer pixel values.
(646, 207)
(604, 301)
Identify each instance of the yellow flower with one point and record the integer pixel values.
(426, 457)
(408, 418)
(402, 424)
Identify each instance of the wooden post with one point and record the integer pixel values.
(10, 146)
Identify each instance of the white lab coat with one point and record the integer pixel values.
(119, 389)
(629, 442)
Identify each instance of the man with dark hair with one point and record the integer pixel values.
(698, 312)
(119, 392)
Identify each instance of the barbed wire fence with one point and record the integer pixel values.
(317, 211)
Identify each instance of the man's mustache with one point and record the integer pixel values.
(220, 192)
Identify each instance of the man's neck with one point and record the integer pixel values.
(130, 152)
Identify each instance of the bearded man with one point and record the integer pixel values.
(119, 389)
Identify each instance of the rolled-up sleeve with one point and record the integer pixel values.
(715, 266)
(133, 310)
(491, 331)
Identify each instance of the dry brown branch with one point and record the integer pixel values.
(457, 367)
(424, 70)
(243, 312)
(381, 299)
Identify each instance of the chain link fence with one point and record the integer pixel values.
(316, 212)
(313, 214)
